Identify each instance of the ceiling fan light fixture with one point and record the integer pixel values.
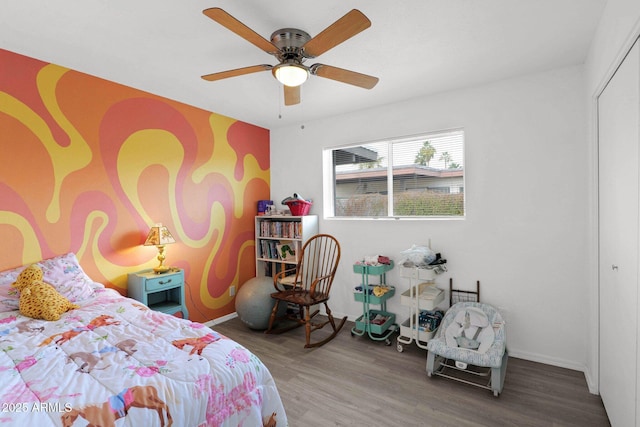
(291, 74)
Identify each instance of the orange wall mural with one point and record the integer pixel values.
(89, 165)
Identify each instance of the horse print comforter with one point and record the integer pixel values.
(114, 359)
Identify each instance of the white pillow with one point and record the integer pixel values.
(63, 272)
(66, 275)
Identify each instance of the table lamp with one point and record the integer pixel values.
(159, 236)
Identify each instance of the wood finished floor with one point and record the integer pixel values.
(355, 381)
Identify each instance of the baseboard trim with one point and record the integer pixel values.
(222, 319)
(561, 363)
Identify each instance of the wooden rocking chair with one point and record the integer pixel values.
(306, 286)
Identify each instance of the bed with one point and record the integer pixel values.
(113, 358)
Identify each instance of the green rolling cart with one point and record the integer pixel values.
(378, 324)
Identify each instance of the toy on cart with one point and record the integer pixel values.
(422, 298)
(378, 324)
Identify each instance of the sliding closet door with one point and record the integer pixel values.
(618, 135)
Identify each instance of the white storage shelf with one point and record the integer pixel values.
(421, 295)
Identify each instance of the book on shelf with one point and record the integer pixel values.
(268, 249)
(277, 229)
(278, 250)
(286, 251)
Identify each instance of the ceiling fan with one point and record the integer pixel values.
(292, 47)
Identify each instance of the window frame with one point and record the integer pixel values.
(329, 178)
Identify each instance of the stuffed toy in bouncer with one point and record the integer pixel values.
(38, 299)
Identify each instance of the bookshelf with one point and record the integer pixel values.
(279, 240)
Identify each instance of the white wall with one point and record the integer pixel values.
(618, 28)
(526, 236)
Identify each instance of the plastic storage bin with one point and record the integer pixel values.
(418, 332)
(362, 323)
(359, 296)
(299, 207)
(426, 295)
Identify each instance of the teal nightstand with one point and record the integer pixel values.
(160, 292)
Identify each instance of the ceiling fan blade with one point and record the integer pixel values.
(291, 95)
(343, 29)
(237, 72)
(344, 76)
(232, 24)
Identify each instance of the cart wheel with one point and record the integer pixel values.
(399, 348)
(387, 342)
(352, 334)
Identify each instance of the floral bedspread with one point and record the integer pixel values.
(113, 358)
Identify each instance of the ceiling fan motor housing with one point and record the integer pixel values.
(290, 42)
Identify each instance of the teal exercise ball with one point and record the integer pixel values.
(254, 303)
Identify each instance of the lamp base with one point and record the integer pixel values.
(161, 269)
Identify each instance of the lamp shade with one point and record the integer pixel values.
(159, 235)
(291, 74)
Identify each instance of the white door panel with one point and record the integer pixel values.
(619, 136)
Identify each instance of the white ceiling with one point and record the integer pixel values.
(415, 47)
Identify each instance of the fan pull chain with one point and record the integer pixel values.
(280, 101)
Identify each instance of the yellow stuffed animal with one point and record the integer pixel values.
(39, 299)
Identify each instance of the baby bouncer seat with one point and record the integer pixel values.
(470, 346)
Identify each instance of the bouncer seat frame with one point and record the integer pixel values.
(485, 370)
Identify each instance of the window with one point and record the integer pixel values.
(416, 177)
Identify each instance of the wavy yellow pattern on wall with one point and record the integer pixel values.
(111, 161)
(90, 244)
(36, 124)
(141, 150)
(31, 247)
(67, 159)
(223, 160)
(156, 147)
(226, 298)
(217, 211)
